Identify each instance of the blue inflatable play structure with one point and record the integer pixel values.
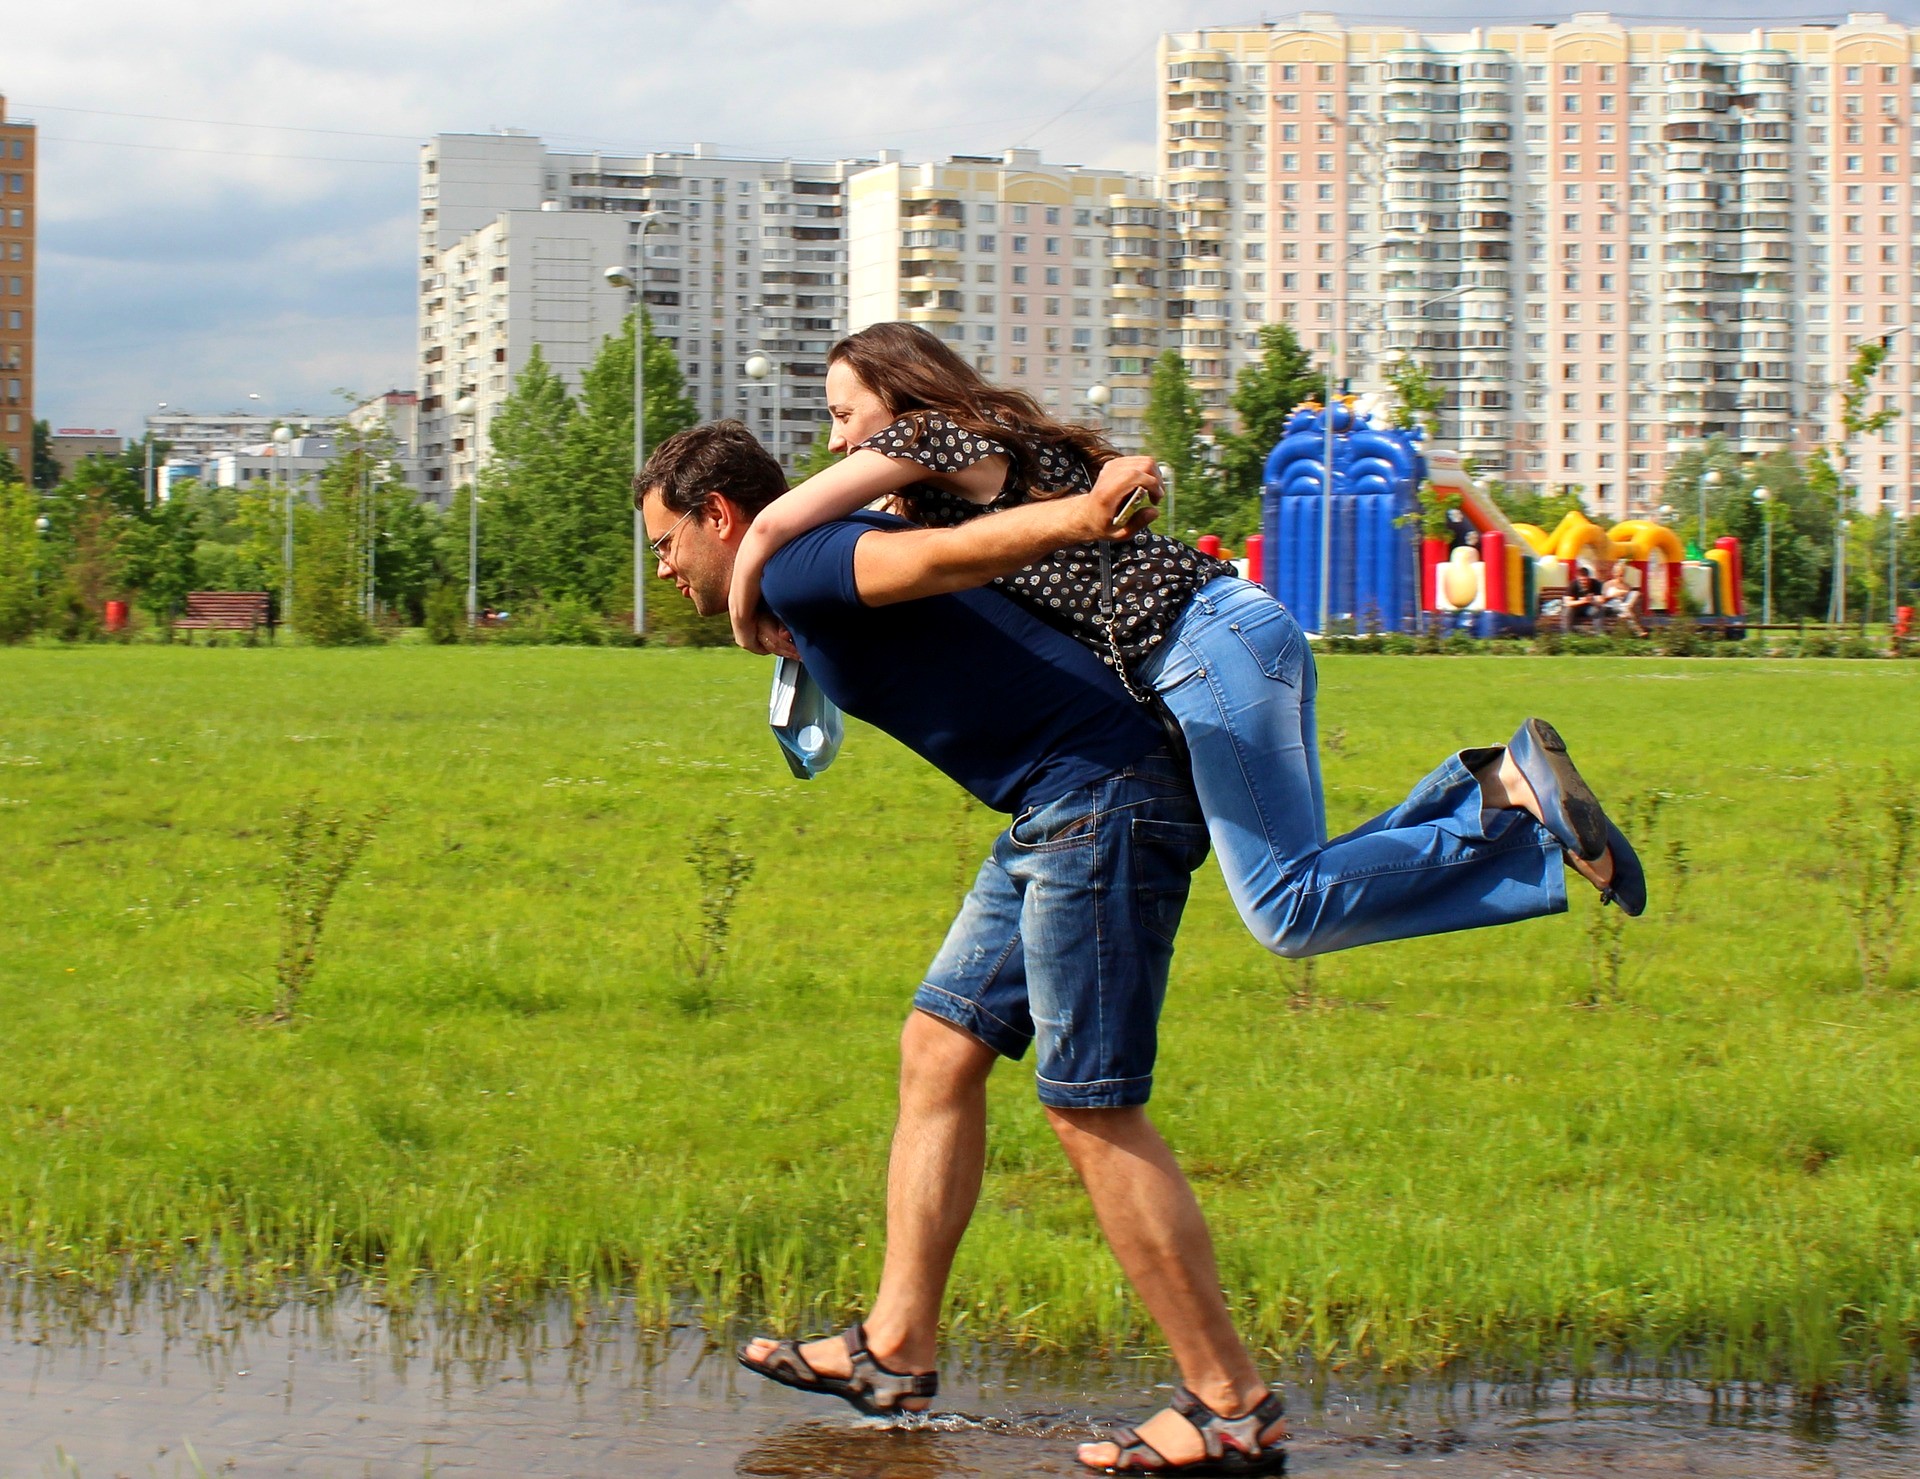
(1374, 565)
(1487, 576)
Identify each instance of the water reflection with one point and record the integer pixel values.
(166, 1384)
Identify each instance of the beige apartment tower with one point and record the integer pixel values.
(1608, 242)
(17, 234)
(1046, 277)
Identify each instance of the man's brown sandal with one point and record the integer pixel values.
(1233, 1443)
(871, 1387)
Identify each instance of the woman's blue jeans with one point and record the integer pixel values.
(1239, 677)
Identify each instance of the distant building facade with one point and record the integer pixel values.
(18, 238)
(1607, 242)
(1047, 277)
(191, 437)
(210, 454)
(70, 446)
(743, 257)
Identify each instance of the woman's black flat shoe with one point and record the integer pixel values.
(1629, 886)
(1568, 807)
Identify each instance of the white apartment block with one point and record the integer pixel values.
(1607, 242)
(743, 257)
(197, 438)
(1047, 277)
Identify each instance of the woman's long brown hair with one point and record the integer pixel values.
(910, 370)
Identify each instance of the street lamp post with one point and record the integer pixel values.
(1895, 516)
(1708, 479)
(1765, 499)
(468, 408)
(282, 440)
(756, 369)
(633, 279)
(151, 493)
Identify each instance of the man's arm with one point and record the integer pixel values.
(906, 564)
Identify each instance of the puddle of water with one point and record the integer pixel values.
(188, 1385)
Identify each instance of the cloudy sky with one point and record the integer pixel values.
(227, 191)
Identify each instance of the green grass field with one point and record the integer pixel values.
(503, 1079)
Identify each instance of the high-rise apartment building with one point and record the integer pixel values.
(1047, 277)
(1606, 242)
(17, 236)
(744, 257)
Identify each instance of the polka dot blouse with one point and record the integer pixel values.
(1153, 576)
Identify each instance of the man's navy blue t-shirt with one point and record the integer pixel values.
(1015, 711)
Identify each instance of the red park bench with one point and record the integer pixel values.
(226, 611)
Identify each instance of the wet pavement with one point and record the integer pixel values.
(188, 1386)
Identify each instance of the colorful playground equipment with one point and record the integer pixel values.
(1489, 576)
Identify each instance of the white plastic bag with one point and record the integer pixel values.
(805, 721)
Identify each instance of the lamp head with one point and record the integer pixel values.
(757, 367)
(1098, 395)
(619, 277)
(465, 406)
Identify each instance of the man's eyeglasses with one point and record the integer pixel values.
(659, 546)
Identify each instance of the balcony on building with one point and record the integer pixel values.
(932, 208)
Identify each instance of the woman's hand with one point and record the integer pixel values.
(771, 637)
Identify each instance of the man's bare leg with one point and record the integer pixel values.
(1156, 1230)
(933, 1181)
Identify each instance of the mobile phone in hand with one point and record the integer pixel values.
(1136, 500)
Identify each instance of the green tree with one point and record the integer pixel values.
(1264, 396)
(1174, 424)
(1855, 421)
(521, 488)
(590, 557)
(1417, 397)
(20, 555)
(333, 539)
(669, 407)
(818, 459)
(1528, 505)
(46, 471)
(158, 549)
(408, 566)
(590, 554)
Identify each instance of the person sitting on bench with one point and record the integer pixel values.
(1584, 600)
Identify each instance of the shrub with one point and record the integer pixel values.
(318, 853)
(571, 622)
(1547, 642)
(1459, 644)
(1400, 644)
(1875, 856)
(1678, 636)
(672, 622)
(1858, 645)
(446, 615)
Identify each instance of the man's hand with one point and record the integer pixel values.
(1119, 479)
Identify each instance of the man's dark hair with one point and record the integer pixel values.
(720, 457)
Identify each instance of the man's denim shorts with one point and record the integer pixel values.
(1068, 932)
